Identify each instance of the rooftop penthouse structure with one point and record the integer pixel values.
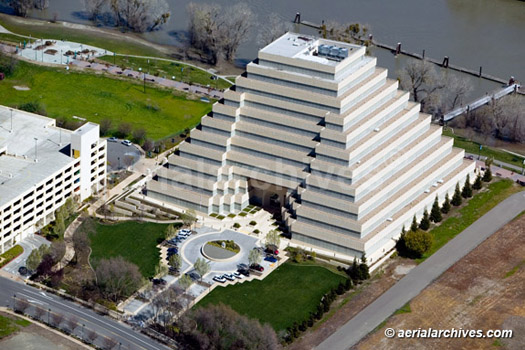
(315, 130)
(41, 166)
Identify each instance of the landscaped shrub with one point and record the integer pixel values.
(435, 213)
(33, 107)
(253, 223)
(425, 221)
(236, 225)
(456, 199)
(477, 184)
(10, 255)
(446, 205)
(467, 190)
(414, 244)
(256, 231)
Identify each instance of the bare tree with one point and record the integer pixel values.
(238, 22)
(41, 4)
(202, 266)
(185, 282)
(166, 305)
(419, 77)
(272, 28)
(39, 312)
(56, 319)
(217, 32)
(105, 126)
(94, 8)
(273, 237)
(117, 277)
(57, 250)
(21, 305)
(455, 91)
(91, 336)
(21, 7)
(109, 343)
(140, 15)
(72, 323)
(254, 257)
(139, 135)
(124, 129)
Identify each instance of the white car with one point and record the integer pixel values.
(238, 275)
(185, 230)
(113, 139)
(126, 143)
(219, 278)
(229, 276)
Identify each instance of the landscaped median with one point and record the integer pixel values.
(10, 255)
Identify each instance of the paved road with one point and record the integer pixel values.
(496, 162)
(421, 276)
(104, 326)
(29, 243)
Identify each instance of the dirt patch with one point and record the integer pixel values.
(21, 88)
(353, 302)
(484, 290)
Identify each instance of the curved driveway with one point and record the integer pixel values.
(191, 249)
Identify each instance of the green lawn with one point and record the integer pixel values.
(9, 325)
(478, 206)
(161, 112)
(286, 296)
(111, 40)
(134, 241)
(167, 69)
(11, 38)
(473, 147)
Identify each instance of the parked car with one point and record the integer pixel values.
(113, 139)
(194, 276)
(126, 143)
(22, 270)
(173, 250)
(219, 278)
(245, 272)
(159, 282)
(185, 231)
(272, 249)
(238, 275)
(229, 277)
(270, 258)
(257, 267)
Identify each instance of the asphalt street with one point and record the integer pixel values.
(103, 326)
(424, 274)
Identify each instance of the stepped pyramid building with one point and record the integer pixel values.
(316, 130)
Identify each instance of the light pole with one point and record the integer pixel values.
(83, 325)
(479, 152)
(14, 301)
(11, 109)
(144, 77)
(48, 312)
(36, 149)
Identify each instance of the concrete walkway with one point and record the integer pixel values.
(68, 241)
(3, 30)
(424, 274)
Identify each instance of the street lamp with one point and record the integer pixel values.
(36, 149)
(83, 325)
(14, 300)
(48, 312)
(11, 109)
(144, 75)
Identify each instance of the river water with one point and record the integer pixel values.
(473, 33)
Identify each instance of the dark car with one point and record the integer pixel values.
(23, 270)
(245, 272)
(173, 250)
(272, 249)
(257, 267)
(159, 282)
(194, 276)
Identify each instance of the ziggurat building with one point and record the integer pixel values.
(316, 130)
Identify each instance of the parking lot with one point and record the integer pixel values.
(121, 156)
(28, 244)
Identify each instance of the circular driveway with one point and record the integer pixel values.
(191, 249)
(121, 156)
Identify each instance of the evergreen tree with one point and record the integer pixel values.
(413, 227)
(425, 221)
(467, 190)
(456, 199)
(364, 272)
(435, 213)
(487, 177)
(477, 184)
(446, 205)
(403, 230)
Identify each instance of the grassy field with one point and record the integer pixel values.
(9, 325)
(64, 94)
(478, 206)
(134, 241)
(11, 38)
(271, 300)
(167, 69)
(110, 39)
(473, 147)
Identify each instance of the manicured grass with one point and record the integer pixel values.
(473, 147)
(168, 69)
(11, 38)
(111, 40)
(8, 325)
(12, 253)
(286, 296)
(134, 241)
(478, 206)
(64, 94)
